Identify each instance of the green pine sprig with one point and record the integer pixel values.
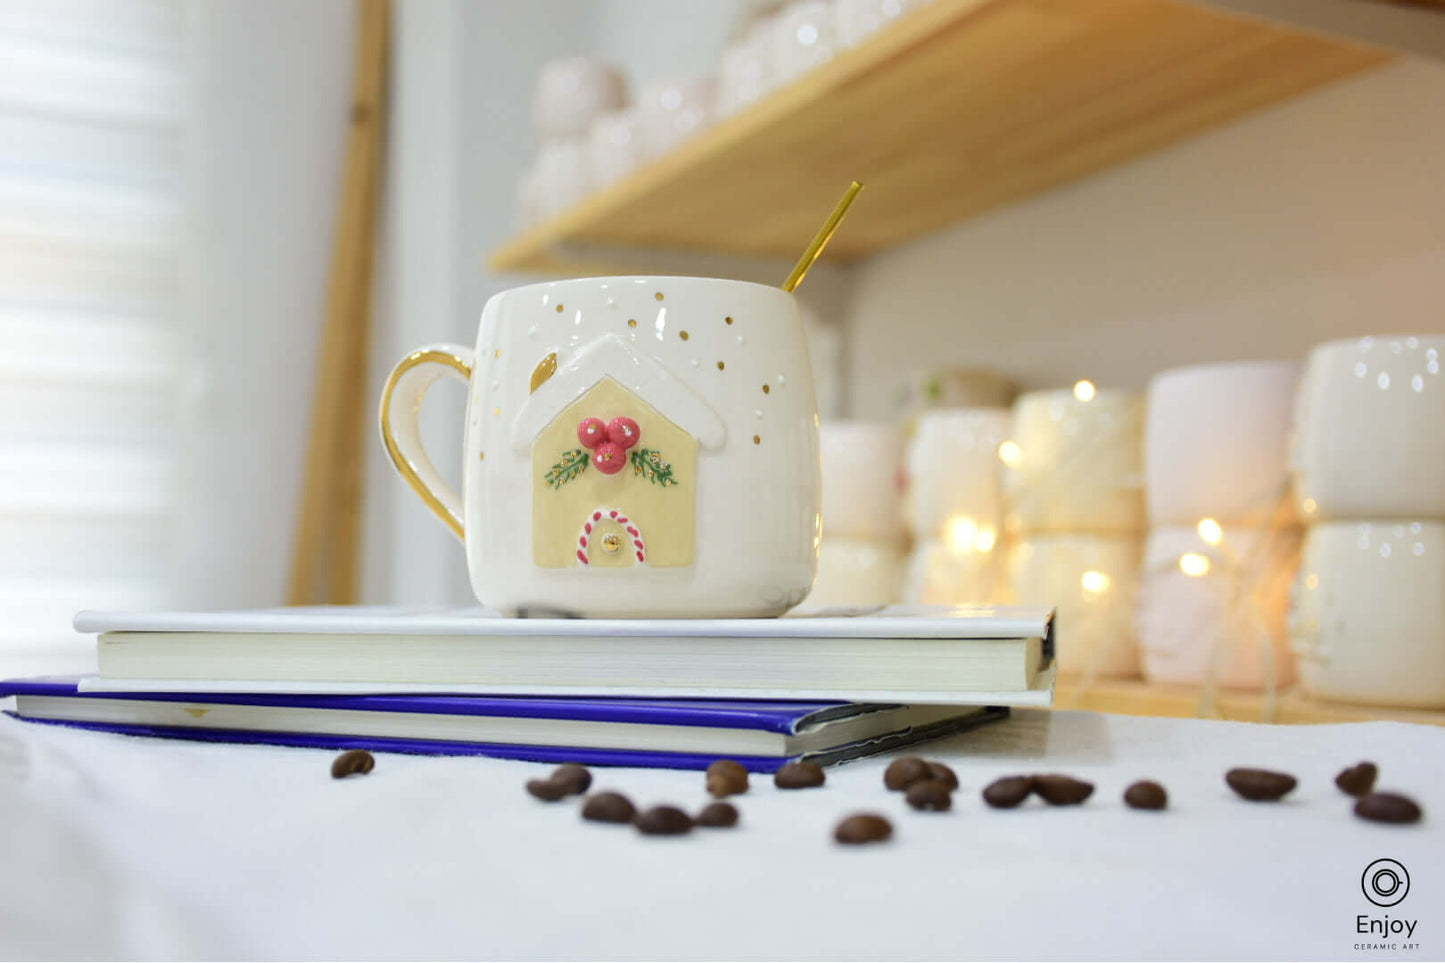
(569, 466)
(648, 463)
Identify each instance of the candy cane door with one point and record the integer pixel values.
(613, 485)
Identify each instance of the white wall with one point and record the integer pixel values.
(1323, 217)
(271, 94)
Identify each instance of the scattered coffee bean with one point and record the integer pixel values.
(352, 762)
(1008, 792)
(718, 815)
(1357, 780)
(726, 778)
(863, 828)
(941, 773)
(1062, 790)
(1260, 785)
(547, 790)
(573, 778)
(608, 807)
(1387, 807)
(799, 775)
(663, 821)
(902, 773)
(931, 795)
(1145, 794)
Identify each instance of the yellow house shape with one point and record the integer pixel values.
(644, 514)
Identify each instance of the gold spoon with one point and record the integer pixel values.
(820, 240)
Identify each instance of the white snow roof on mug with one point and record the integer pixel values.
(611, 357)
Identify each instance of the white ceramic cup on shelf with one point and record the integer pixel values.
(671, 111)
(614, 147)
(1369, 617)
(571, 92)
(1092, 582)
(856, 19)
(942, 571)
(957, 388)
(1370, 429)
(857, 572)
(803, 38)
(1217, 604)
(953, 472)
(1215, 441)
(746, 73)
(1074, 462)
(562, 178)
(625, 455)
(861, 465)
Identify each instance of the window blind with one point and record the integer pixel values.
(93, 121)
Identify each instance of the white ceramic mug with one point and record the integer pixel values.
(1215, 437)
(1217, 609)
(861, 464)
(671, 111)
(856, 572)
(954, 473)
(1370, 423)
(954, 571)
(571, 92)
(1369, 617)
(635, 447)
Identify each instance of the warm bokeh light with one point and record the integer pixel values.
(1094, 581)
(1309, 505)
(1192, 563)
(1084, 390)
(1210, 531)
(985, 539)
(960, 534)
(1010, 454)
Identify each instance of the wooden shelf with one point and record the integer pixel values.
(1183, 702)
(957, 108)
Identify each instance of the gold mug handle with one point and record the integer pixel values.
(401, 400)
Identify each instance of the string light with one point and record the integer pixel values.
(1193, 564)
(1084, 390)
(961, 533)
(1095, 581)
(1010, 454)
(985, 540)
(1210, 531)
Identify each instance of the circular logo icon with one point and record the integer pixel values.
(1385, 882)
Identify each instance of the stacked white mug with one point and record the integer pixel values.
(1224, 543)
(1072, 488)
(954, 506)
(861, 559)
(572, 95)
(1369, 465)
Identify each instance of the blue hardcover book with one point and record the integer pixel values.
(664, 733)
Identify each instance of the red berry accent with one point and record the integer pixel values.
(624, 432)
(609, 459)
(591, 432)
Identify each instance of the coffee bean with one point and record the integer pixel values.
(663, 821)
(1260, 785)
(799, 775)
(1357, 780)
(931, 795)
(726, 778)
(1062, 790)
(718, 814)
(547, 790)
(1387, 807)
(1008, 792)
(902, 773)
(863, 828)
(941, 773)
(608, 807)
(1145, 794)
(574, 778)
(353, 762)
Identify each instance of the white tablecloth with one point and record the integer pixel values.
(119, 846)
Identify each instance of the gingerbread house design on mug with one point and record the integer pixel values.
(614, 468)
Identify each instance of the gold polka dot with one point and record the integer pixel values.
(481, 456)
(767, 389)
(682, 335)
(721, 366)
(728, 320)
(559, 309)
(496, 411)
(658, 295)
(632, 322)
(498, 354)
(757, 439)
